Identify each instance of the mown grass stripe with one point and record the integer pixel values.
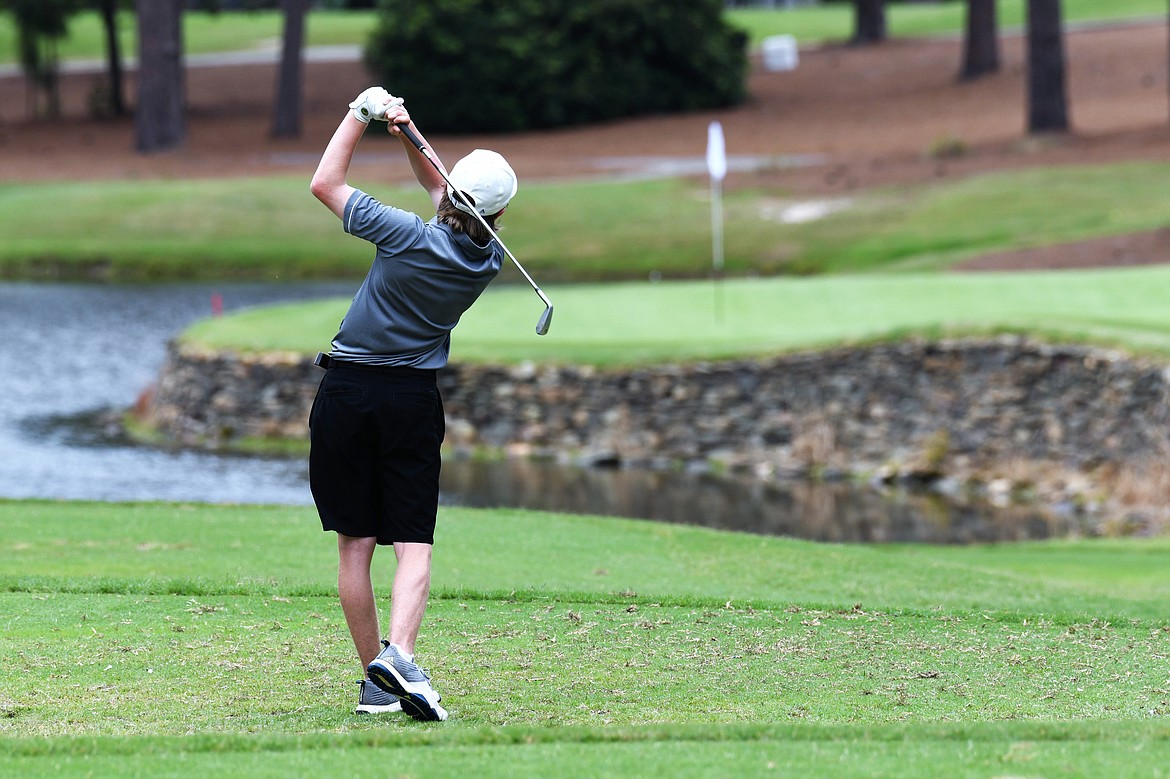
(1086, 732)
(202, 589)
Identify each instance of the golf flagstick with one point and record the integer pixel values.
(717, 167)
(545, 320)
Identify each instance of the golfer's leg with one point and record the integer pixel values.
(357, 595)
(408, 598)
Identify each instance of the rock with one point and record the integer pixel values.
(947, 411)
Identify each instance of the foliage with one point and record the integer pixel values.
(504, 65)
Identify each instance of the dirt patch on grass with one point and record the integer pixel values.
(1148, 248)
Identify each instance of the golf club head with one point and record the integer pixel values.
(545, 320)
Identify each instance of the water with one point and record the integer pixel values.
(75, 352)
(819, 512)
(77, 355)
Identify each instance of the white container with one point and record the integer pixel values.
(780, 53)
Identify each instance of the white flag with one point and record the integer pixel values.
(716, 153)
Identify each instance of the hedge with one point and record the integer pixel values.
(506, 65)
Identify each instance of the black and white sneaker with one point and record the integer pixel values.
(373, 700)
(396, 673)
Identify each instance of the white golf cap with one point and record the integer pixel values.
(487, 178)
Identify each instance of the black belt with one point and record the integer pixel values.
(329, 362)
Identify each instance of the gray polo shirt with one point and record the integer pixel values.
(424, 276)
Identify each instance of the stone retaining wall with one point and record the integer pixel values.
(928, 409)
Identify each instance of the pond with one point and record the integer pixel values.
(78, 354)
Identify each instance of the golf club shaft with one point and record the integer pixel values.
(426, 152)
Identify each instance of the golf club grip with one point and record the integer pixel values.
(418, 144)
(410, 136)
(424, 151)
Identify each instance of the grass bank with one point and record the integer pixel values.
(181, 639)
(271, 228)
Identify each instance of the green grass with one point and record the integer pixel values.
(138, 550)
(270, 228)
(172, 640)
(636, 323)
(1067, 751)
(935, 226)
(248, 228)
(205, 33)
(834, 22)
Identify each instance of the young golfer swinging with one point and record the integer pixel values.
(377, 420)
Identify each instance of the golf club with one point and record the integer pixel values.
(545, 320)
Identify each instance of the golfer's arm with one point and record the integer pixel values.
(424, 171)
(329, 182)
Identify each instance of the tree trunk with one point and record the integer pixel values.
(981, 43)
(52, 80)
(869, 22)
(159, 118)
(286, 109)
(1047, 94)
(39, 26)
(109, 10)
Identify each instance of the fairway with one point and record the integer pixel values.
(180, 639)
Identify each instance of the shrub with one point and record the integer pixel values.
(503, 65)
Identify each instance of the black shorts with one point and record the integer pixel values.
(374, 460)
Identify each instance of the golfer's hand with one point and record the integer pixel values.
(396, 117)
(373, 103)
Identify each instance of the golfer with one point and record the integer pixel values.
(377, 420)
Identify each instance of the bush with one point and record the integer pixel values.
(504, 65)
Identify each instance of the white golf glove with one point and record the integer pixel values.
(373, 104)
